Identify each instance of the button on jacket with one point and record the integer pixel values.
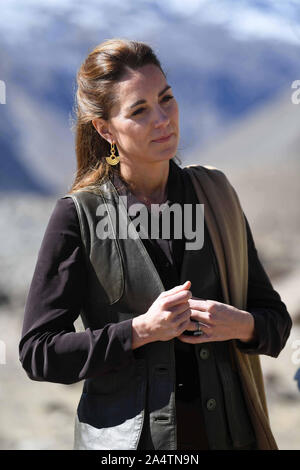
(76, 273)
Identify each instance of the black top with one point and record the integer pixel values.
(57, 291)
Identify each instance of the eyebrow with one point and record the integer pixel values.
(144, 101)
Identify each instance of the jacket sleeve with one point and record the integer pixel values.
(50, 349)
(271, 319)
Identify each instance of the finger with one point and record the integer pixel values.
(184, 326)
(183, 321)
(194, 339)
(193, 326)
(198, 304)
(202, 317)
(179, 297)
(188, 325)
(185, 286)
(181, 312)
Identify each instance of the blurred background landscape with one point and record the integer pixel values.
(232, 66)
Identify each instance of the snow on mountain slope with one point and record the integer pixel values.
(223, 59)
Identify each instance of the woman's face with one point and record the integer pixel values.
(135, 127)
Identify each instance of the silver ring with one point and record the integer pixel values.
(198, 332)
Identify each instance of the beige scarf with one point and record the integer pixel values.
(226, 225)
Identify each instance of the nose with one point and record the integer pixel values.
(161, 118)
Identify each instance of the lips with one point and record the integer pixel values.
(163, 138)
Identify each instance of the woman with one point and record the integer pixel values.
(170, 351)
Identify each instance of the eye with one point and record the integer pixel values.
(167, 97)
(138, 111)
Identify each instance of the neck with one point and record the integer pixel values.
(147, 181)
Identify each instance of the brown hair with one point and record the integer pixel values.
(96, 77)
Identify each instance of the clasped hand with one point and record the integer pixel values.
(219, 322)
(175, 311)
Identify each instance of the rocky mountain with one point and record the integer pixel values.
(223, 60)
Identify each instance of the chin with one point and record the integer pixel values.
(161, 156)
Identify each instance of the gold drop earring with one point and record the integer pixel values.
(112, 159)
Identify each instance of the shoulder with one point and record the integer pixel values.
(209, 175)
(62, 235)
(215, 185)
(64, 216)
(206, 170)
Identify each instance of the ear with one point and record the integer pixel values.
(102, 128)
